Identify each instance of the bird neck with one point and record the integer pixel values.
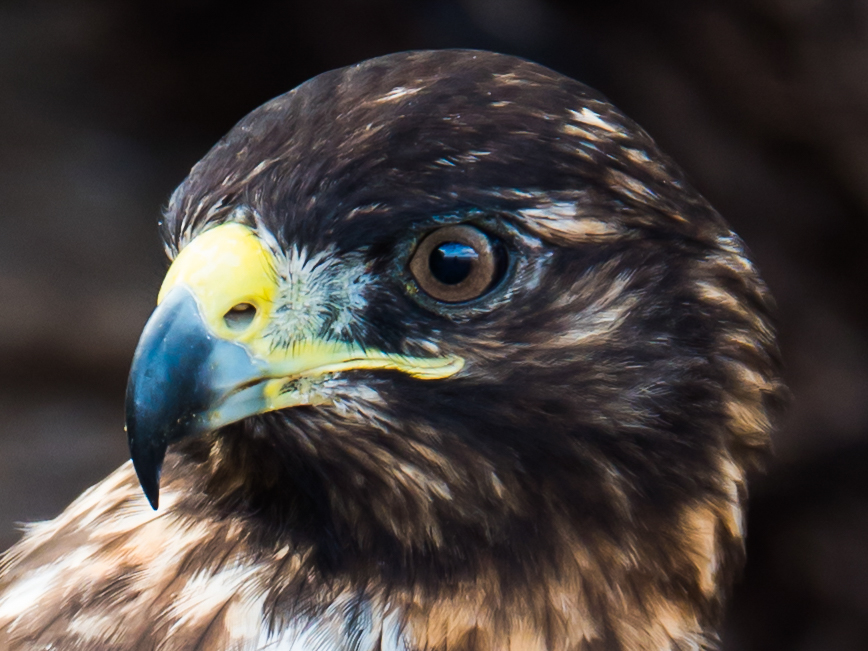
(565, 590)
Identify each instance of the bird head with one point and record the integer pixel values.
(441, 307)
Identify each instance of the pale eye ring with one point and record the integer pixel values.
(240, 317)
(454, 264)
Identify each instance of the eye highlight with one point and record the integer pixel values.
(455, 263)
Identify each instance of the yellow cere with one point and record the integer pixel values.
(228, 265)
(223, 267)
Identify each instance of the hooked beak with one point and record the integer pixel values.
(184, 381)
(193, 372)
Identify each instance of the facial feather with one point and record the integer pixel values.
(319, 295)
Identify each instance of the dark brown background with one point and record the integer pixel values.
(104, 106)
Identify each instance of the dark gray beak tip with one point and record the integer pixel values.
(149, 478)
(147, 455)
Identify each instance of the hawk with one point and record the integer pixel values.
(449, 357)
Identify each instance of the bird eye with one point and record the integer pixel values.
(239, 317)
(455, 263)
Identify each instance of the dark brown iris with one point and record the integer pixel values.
(454, 263)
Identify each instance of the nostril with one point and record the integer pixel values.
(239, 317)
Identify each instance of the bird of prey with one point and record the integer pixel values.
(449, 356)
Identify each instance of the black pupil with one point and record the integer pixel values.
(452, 262)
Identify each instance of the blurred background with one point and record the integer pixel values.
(105, 105)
